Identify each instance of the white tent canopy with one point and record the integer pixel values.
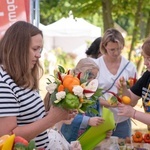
(72, 27)
(70, 34)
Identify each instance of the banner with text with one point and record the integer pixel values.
(12, 11)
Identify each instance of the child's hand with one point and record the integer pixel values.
(108, 134)
(75, 145)
(95, 121)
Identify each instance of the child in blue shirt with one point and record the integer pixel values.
(83, 121)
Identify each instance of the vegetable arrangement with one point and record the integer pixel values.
(13, 142)
(139, 137)
(131, 81)
(115, 99)
(70, 91)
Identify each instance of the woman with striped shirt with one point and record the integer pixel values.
(21, 107)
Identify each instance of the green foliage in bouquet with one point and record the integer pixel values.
(20, 146)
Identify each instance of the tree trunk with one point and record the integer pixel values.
(136, 28)
(107, 16)
(147, 33)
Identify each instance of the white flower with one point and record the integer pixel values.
(92, 86)
(60, 95)
(78, 90)
(51, 87)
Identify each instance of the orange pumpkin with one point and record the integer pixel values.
(137, 137)
(70, 81)
(60, 88)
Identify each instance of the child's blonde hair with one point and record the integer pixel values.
(85, 64)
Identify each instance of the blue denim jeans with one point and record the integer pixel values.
(123, 129)
(70, 132)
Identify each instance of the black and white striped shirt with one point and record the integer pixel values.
(25, 104)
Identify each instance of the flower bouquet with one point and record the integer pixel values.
(70, 91)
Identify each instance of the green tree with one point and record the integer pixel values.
(133, 16)
(107, 14)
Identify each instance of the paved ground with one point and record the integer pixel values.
(135, 126)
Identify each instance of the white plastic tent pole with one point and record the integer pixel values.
(31, 11)
(37, 15)
(34, 12)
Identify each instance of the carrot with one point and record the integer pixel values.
(60, 88)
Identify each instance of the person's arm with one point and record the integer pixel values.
(134, 98)
(129, 111)
(84, 122)
(104, 102)
(91, 121)
(95, 121)
(9, 124)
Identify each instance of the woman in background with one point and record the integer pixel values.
(94, 50)
(112, 65)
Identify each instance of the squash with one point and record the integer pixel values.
(60, 88)
(137, 137)
(8, 144)
(70, 81)
(146, 138)
(3, 139)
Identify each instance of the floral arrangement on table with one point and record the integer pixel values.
(70, 91)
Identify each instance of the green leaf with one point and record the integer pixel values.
(61, 69)
(86, 104)
(53, 97)
(49, 81)
(20, 146)
(31, 145)
(93, 111)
